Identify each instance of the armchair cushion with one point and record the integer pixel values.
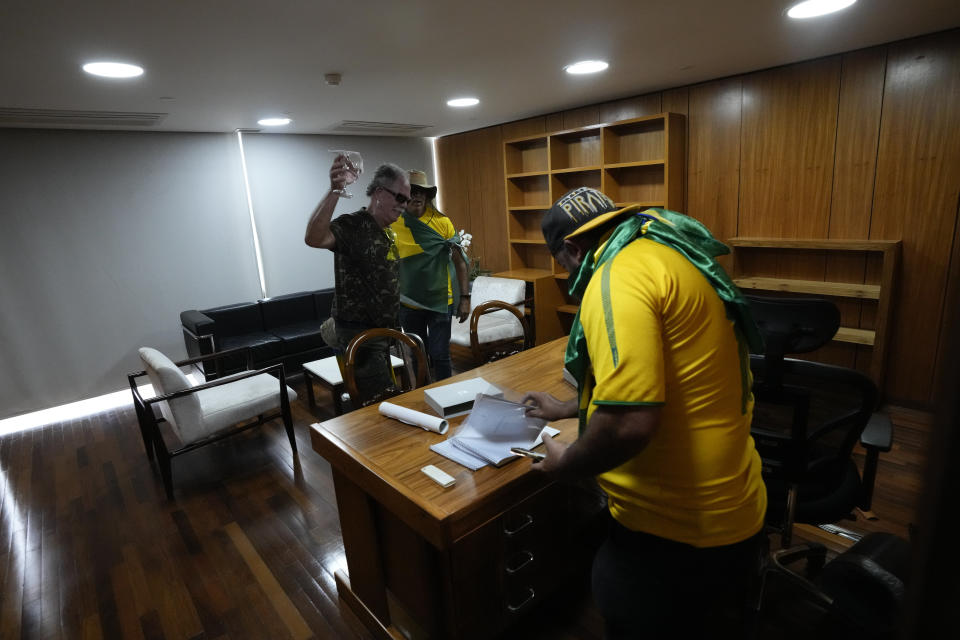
(166, 377)
(230, 403)
(235, 320)
(496, 325)
(293, 308)
(264, 347)
(490, 328)
(300, 337)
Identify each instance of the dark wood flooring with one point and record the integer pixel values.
(91, 548)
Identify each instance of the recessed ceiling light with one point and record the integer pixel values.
(273, 122)
(814, 8)
(586, 66)
(462, 102)
(113, 69)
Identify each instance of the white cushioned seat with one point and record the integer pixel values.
(497, 325)
(201, 414)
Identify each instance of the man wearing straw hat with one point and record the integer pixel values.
(433, 273)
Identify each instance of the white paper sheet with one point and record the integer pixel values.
(493, 427)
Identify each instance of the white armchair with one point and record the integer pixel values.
(496, 318)
(206, 413)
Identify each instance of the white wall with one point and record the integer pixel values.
(106, 236)
(289, 174)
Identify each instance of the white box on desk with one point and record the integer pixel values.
(456, 398)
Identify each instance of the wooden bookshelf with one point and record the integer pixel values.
(756, 259)
(636, 161)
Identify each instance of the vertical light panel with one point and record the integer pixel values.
(253, 220)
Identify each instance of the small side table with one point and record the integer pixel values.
(326, 373)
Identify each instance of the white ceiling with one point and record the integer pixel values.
(218, 65)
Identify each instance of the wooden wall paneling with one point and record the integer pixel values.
(917, 184)
(713, 176)
(788, 135)
(636, 107)
(490, 169)
(523, 128)
(582, 117)
(858, 131)
(678, 101)
(554, 121)
(951, 305)
(452, 169)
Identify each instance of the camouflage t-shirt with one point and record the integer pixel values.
(365, 267)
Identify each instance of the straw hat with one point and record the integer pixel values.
(418, 182)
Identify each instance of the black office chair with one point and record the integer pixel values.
(857, 594)
(808, 416)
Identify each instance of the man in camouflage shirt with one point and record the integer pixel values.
(365, 266)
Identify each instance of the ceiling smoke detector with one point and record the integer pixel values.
(332, 79)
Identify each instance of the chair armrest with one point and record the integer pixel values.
(219, 354)
(220, 381)
(878, 434)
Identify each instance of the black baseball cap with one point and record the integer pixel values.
(578, 211)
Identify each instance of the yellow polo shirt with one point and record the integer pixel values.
(658, 334)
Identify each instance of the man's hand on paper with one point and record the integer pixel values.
(543, 405)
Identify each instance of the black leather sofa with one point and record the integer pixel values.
(283, 329)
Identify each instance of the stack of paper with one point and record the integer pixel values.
(492, 428)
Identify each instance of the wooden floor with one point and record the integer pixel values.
(91, 548)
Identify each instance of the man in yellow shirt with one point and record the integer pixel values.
(660, 352)
(433, 273)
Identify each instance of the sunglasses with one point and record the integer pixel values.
(399, 197)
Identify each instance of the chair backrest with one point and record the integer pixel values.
(507, 290)
(807, 415)
(792, 325)
(381, 339)
(499, 346)
(184, 413)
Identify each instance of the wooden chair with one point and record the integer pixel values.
(490, 350)
(206, 413)
(497, 326)
(405, 344)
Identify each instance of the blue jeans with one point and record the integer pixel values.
(434, 329)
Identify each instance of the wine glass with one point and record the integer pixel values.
(352, 170)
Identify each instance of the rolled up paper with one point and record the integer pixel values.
(415, 418)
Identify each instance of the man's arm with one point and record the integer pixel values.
(613, 436)
(460, 265)
(318, 227)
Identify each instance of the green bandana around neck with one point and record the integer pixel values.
(690, 238)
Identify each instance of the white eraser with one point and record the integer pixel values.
(437, 475)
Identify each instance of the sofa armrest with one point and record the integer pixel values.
(197, 333)
(196, 322)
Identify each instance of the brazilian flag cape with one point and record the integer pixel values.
(424, 276)
(697, 244)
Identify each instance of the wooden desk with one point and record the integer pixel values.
(461, 562)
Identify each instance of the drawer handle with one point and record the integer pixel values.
(526, 523)
(530, 596)
(526, 561)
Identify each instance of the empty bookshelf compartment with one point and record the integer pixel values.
(642, 184)
(574, 150)
(526, 156)
(528, 191)
(636, 141)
